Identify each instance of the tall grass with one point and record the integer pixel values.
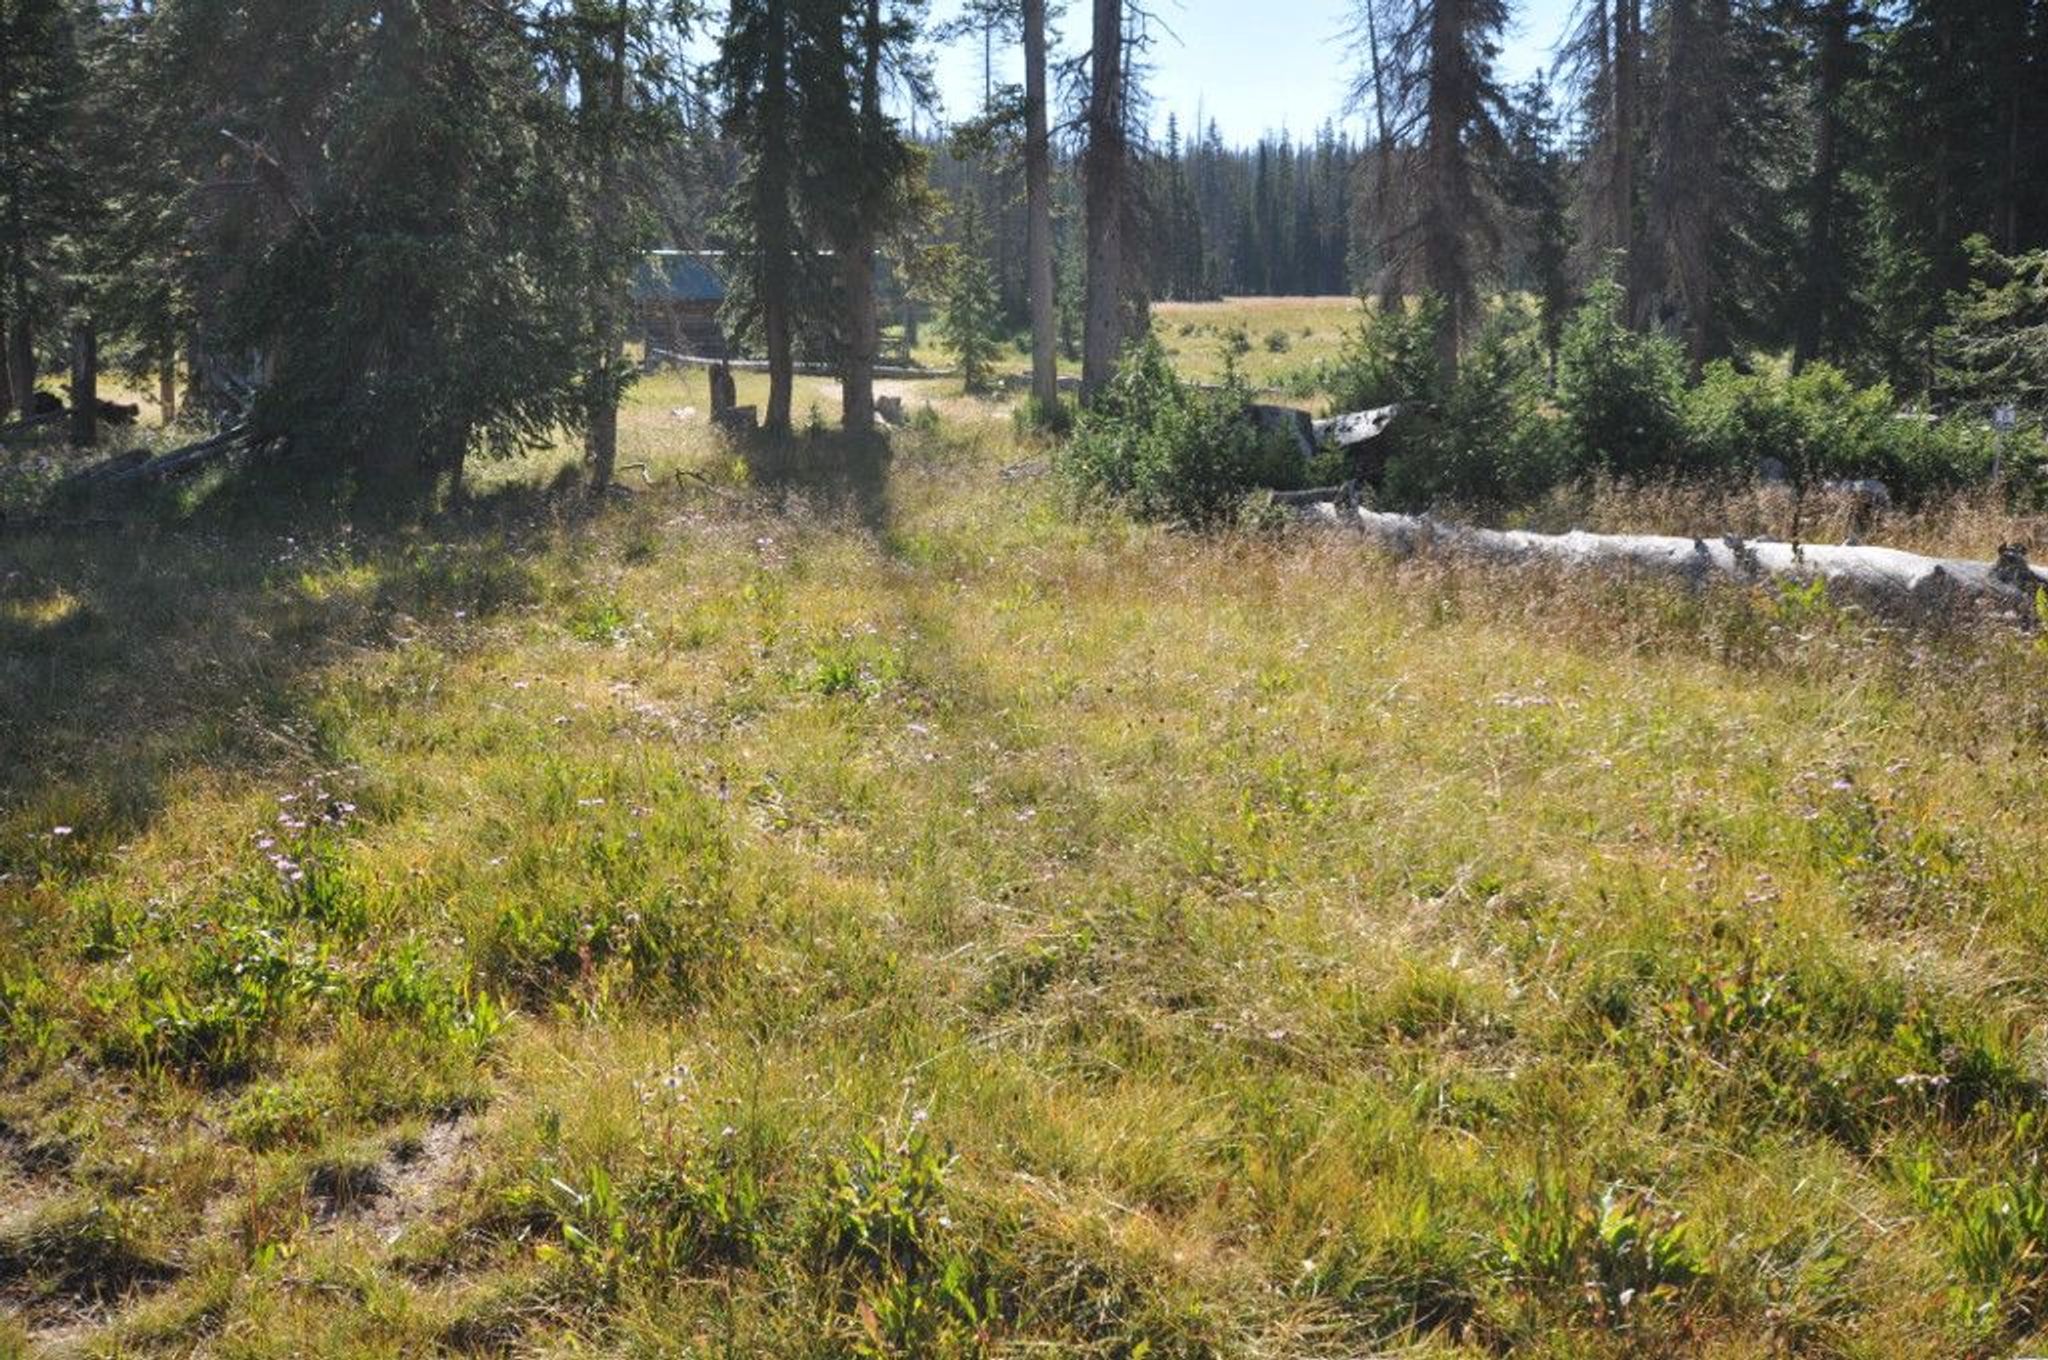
(870, 911)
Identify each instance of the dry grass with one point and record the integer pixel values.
(1972, 527)
(870, 909)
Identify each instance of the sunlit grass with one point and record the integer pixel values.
(829, 902)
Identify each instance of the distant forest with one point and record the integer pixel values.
(1804, 177)
(411, 225)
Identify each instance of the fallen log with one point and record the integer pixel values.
(92, 475)
(1882, 574)
(807, 369)
(137, 466)
(1357, 427)
(34, 422)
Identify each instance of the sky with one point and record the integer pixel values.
(1253, 65)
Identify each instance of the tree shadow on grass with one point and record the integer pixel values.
(829, 472)
(133, 657)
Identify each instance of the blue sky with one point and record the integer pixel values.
(1252, 65)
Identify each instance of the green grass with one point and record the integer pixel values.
(858, 905)
(1283, 337)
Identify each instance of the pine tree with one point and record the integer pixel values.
(862, 178)
(1534, 191)
(1439, 85)
(41, 194)
(1038, 207)
(757, 56)
(971, 312)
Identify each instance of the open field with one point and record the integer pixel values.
(849, 904)
(1285, 335)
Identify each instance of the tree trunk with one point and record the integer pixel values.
(774, 238)
(21, 353)
(1823, 269)
(85, 384)
(857, 263)
(601, 440)
(1884, 576)
(777, 338)
(6, 383)
(857, 280)
(1038, 208)
(1446, 189)
(167, 386)
(1104, 188)
(1389, 281)
(1621, 188)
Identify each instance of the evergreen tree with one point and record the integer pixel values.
(1106, 176)
(971, 313)
(1534, 191)
(754, 75)
(42, 193)
(1440, 89)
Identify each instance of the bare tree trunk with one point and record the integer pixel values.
(1823, 269)
(6, 383)
(85, 384)
(1446, 189)
(1621, 185)
(1388, 285)
(1038, 208)
(167, 385)
(601, 440)
(1105, 170)
(772, 226)
(21, 352)
(857, 281)
(779, 341)
(857, 263)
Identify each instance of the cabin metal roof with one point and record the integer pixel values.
(678, 276)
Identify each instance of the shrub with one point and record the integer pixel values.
(1171, 452)
(1620, 393)
(1820, 426)
(1480, 438)
(1390, 356)
(1486, 440)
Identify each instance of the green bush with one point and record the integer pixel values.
(1390, 357)
(1820, 425)
(1168, 451)
(1620, 394)
(1487, 439)
(1481, 438)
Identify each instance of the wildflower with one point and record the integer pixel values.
(60, 831)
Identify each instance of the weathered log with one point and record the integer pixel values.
(1883, 574)
(92, 475)
(34, 422)
(179, 462)
(1357, 427)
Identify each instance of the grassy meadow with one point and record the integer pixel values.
(845, 900)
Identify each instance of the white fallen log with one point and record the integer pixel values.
(812, 370)
(1356, 427)
(1882, 574)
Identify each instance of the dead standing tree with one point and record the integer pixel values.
(1432, 77)
(1038, 211)
(1105, 171)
